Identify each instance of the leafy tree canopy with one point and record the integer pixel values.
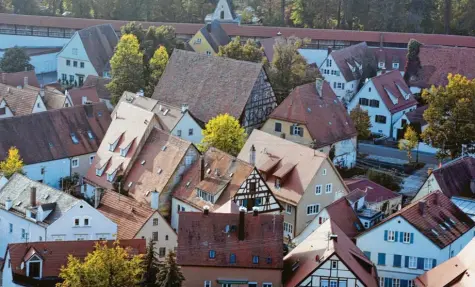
(15, 60)
(170, 274)
(362, 122)
(410, 141)
(248, 52)
(12, 164)
(225, 133)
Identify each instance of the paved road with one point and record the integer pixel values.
(395, 153)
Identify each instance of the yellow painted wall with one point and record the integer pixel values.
(202, 47)
(269, 127)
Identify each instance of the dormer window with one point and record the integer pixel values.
(90, 135)
(34, 267)
(113, 145)
(381, 65)
(205, 196)
(111, 176)
(277, 183)
(100, 171)
(395, 65)
(74, 138)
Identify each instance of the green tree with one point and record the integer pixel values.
(127, 67)
(104, 267)
(170, 274)
(151, 265)
(156, 68)
(248, 52)
(28, 7)
(389, 181)
(79, 8)
(225, 133)
(410, 142)
(69, 183)
(362, 122)
(15, 60)
(12, 164)
(450, 116)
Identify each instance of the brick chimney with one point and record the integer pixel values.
(422, 206)
(202, 168)
(206, 210)
(33, 196)
(242, 228)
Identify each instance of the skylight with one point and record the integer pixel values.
(74, 138)
(434, 232)
(90, 135)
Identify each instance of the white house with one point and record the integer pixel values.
(223, 12)
(386, 98)
(328, 258)
(87, 53)
(415, 239)
(343, 70)
(32, 211)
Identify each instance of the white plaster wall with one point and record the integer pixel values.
(54, 171)
(430, 185)
(311, 227)
(222, 6)
(186, 123)
(7, 276)
(39, 106)
(99, 225)
(175, 215)
(8, 112)
(167, 238)
(84, 164)
(10, 41)
(331, 79)
(345, 151)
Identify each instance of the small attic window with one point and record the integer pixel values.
(74, 138)
(50, 144)
(164, 148)
(18, 203)
(99, 114)
(434, 232)
(130, 184)
(90, 135)
(143, 162)
(159, 171)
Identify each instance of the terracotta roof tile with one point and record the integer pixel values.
(454, 178)
(389, 56)
(417, 115)
(100, 84)
(52, 97)
(353, 55)
(345, 217)
(390, 86)
(199, 233)
(323, 114)
(20, 101)
(89, 92)
(215, 35)
(18, 79)
(374, 192)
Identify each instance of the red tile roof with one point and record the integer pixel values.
(89, 92)
(100, 84)
(342, 214)
(353, 55)
(390, 56)
(55, 253)
(428, 213)
(392, 83)
(301, 262)
(457, 271)
(417, 116)
(454, 178)
(374, 192)
(20, 101)
(323, 114)
(199, 233)
(18, 79)
(129, 214)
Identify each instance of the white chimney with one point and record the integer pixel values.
(8, 203)
(154, 200)
(184, 108)
(25, 81)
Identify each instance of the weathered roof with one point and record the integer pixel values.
(161, 156)
(50, 133)
(417, 116)
(208, 85)
(129, 214)
(100, 84)
(18, 79)
(389, 56)
(352, 55)
(374, 192)
(20, 101)
(228, 207)
(89, 92)
(454, 178)
(215, 35)
(18, 190)
(52, 98)
(99, 42)
(390, 86)
(429, 213)
(55, 253)
(341, 213)
(320, 111)
(458, 271)
(301, 262)
(263, 238)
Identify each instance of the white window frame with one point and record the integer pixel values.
(410, 283)
(77, 162)
(155, 220)
(91, 159)
(327, 189)
(333, 283)
(324, 172)
(178, 133)
(288, 227)
(428, 264)
(288, 208)
(406, 237)
(207, 283)
(396, 282)
(318, 189)
(381, 281)
(74, 221)
(334, 262)
(81, 237)
(34, 260)
(198, 41)
(395, 65)
(296, 130)
(412, 262)
(391, 235)
(88, 221)
(208, 53)
(314, 209)
(266, 284)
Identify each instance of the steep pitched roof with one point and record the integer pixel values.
(268, 45)
(20, 101)
(350, 56)
(231, 174)
(374, 192)
(55, 254)
(208, 85)
(263, 238)
(18, 190)
(429, 213)
(301, 262)
(455, 177)
(99, 42)
(215, 35)
(342, 214)
(392, 87)
(100, 84)
(417, 116)
(320, 111)
(18, 79)
(52, 98)
(89, 92)
(389, 56)
(129, 214)
(161, 156)
(50, 134)
(457, 271)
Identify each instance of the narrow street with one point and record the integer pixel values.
(383, 151)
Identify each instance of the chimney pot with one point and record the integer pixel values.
(33, 196)
(242, 214)
(154, 200)
(252, 155)
(8, 203)
(206, 210)
(329, 50)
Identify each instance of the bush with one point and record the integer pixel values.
(391, 182)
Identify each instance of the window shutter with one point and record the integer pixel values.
(434, 263)
(420, 263)
(401, 236)
(412, 238)
(334, 85)
(291, 130)
(395, 236)
(404, 283)
(385, 235)
(406, 264)
(381, 258)
(397, 260)
(387, 282)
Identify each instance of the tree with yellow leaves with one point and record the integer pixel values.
(104, 267)
(225, 133)
(410, 141)
(12, 164)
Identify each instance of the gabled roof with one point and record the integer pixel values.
(129, 214)
(47, 136)
(389, 56)
(231, 170)
(417, 116)
(99, 42)
(215, 35)
(208, 85)
(320, 111)
(100, 84)
(457, 271)
(454, 178)
(161, 155)
(199, 233)
(392, 85)
(52, 98)
(18, 79)
(20, 101)
(374, 192)
(89, 92)
(301, 262)
(342, 214)
(55, 254)
(18, 190)
(268, 45)
(428, 215)
(350, 56)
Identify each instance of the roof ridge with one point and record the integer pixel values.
(217, 58)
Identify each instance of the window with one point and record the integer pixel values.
(340, 85)
(190, 132)
(71, 79)
(366, 225)
(207, 284)
(161, 252)
(395, 65)
(381, 258)
(288, 208)
(75, 64)
(232, 258)
(328, 188)
(81, 65)
(410, 283)
(91, 159)
(266, 284)
(76, 222)
(374, 103)
(381, 281)
(64, 77)
(250, 284)
(205, 196)
(23, 233)
(212, 254)
(397, 260)
(68, 63)
(277, 183)
(155, 221)
(364, 102)
(198, 41)
(406, 238)
(334, 264)
(255, 259)
(369, 89)
(427, 264)
(313, 209)
(278, 127)
(178, 133)
(289, 228)
(324, 172)
(329, 63)
(75, 51)
(166, 237)
(318, 189)
(81, 237)
(34, 267)
(188, 160)
(391, 235)
(412, 262)
(155, 236)
(38, 105)
(74, 162)
(208, 53)
(3, 111)
(86, 221)
(380, 119)
(381, 65)
(396, 282)
(10, 228)
(296, 130)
